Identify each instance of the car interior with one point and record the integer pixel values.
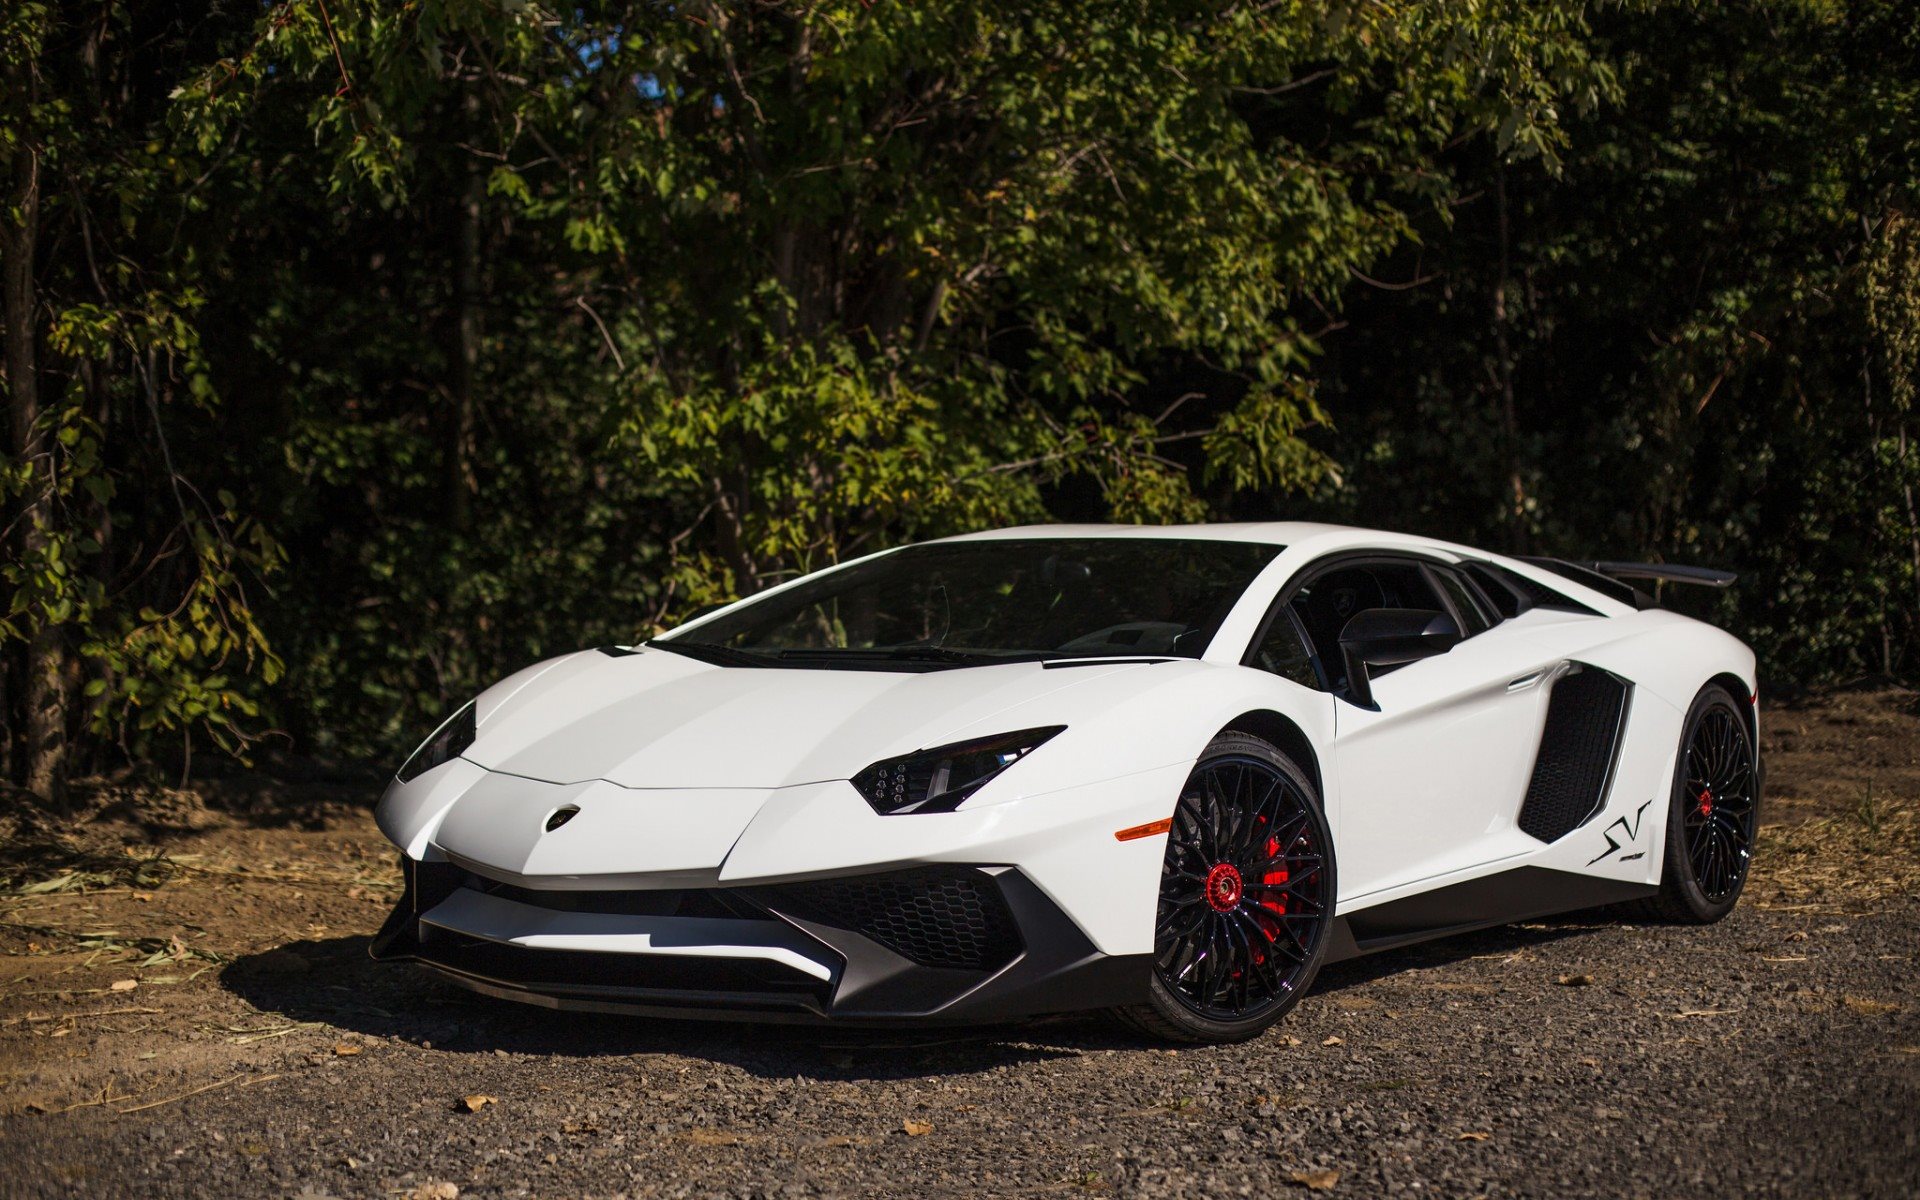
(1303, 643)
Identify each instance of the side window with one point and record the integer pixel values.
(1327, 601)
(1495, 583)
(1514, 594)
(1283, 650)
(1473, 618)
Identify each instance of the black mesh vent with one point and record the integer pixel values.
(936, 917)
(1576, 753)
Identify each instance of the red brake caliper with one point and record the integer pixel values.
(1706, 802)
(1276, 878)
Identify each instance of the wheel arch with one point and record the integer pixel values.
(1285, 735)
(1743, 693)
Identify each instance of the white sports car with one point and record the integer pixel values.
(1168, 771)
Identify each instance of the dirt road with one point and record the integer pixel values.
(208, 1024)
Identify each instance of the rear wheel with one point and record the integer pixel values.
(1246, 897)
(1713, 816)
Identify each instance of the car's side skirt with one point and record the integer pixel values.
(1521, 894)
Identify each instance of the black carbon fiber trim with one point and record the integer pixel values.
(1578, 746)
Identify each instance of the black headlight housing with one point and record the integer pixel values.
(940, 779)
(448, 742)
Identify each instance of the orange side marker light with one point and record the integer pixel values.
(1140, 831)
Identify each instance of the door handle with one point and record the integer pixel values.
(1526, 681)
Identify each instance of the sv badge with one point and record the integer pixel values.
(1630, 832)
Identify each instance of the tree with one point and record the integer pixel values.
(822, 276)
(127, 614)
(1705, 318)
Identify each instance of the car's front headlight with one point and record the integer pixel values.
(447, 743)
(938, 780)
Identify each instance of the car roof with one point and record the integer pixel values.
(1307, 540)
(1278, 533)
(1291, 534)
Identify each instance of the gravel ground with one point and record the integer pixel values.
(1776, 1054)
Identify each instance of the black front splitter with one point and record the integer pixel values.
(1055, 968)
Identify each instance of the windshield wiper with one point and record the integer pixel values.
(709, 652)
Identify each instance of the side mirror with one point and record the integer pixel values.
(1387, 637)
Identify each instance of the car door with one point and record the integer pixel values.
(1433, 773)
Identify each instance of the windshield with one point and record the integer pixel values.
(963, 603)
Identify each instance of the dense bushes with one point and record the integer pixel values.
(358, 353)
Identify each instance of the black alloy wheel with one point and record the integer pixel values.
(1246, 896)
(1713, 816)
(1719, 796)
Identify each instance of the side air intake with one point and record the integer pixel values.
(1585, 714)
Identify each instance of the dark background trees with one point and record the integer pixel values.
(358, 353)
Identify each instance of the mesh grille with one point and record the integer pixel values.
(1576, 753)
(934, 917)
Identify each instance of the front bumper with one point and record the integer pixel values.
(940, 944)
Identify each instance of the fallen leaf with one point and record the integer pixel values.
(1317, 1181)
(345, 1049)
(1473, 1137)
(1869, 1008)
(1574, 980)
(916, 1128)
(1292, 1041)
(1333, 1041)
(123, 985)
(143, 897)
(475, 1102)
(437, 1190)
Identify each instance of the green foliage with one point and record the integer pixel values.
(483, 330)
(1708, 321)
(139, 574)
(822, 278)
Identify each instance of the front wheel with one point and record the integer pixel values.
(1246, 897)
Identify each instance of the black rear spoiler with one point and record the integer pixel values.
(1667, 573)
(1614, 578)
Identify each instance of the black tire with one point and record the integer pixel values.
(1712, 817)
(1233, 957)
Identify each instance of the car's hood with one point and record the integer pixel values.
(656, 719)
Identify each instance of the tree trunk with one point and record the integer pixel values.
(466, 357)
(43, 691)
(1516, 513)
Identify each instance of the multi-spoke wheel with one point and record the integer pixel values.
(1715, 811)
(1246, 896)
